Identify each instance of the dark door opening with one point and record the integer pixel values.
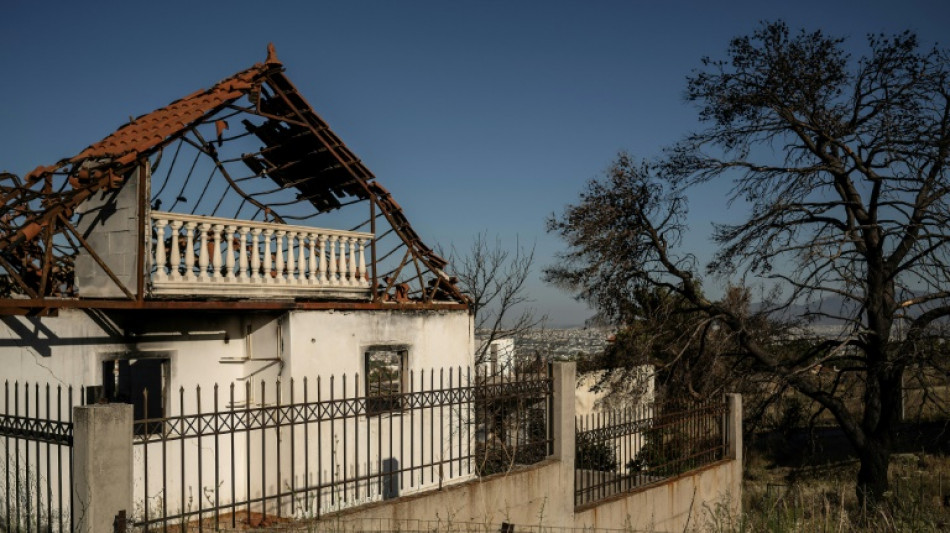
(140, 382)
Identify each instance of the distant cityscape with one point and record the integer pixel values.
(564, 343)
(568, 343)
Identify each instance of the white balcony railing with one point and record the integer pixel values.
(209, 256)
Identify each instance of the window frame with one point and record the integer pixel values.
(122, 381)
(376, 402)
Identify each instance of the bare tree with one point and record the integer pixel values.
(495, 279)
(843, 164)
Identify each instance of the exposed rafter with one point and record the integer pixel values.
(248, 148)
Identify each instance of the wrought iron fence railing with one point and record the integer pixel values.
(245, 455)
(36, 438)
(257, 455)
(621, 450)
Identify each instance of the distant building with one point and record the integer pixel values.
(495, 358)
(619, 400)
(599, 392)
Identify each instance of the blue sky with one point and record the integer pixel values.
(478, 116)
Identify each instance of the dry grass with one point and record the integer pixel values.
(822, 498)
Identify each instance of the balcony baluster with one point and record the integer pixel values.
(214, 256)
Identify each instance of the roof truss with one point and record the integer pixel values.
(250, 148)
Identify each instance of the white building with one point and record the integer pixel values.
(495, 357)
(229, 237)
(622, 399)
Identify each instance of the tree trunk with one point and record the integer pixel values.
(882, 384)
(872, 476)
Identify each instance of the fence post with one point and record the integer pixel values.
(102, 465)
(565, 383)
(734, 427)
(734, 450)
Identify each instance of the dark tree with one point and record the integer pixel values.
(842, 163)
(685, 350)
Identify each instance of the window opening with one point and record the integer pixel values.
(127, 380)
(386, 374)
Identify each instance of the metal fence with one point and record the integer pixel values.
(621, 450)
(256, 455)
(260, 455)
(36, 437)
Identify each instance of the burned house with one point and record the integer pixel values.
(229, 237)
(190, 235)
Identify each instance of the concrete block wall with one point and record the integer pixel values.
(672, 505)
(108, 221)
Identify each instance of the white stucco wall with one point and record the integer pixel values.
(69, 349)
(333, 342)
(205, 349)
(52, 350)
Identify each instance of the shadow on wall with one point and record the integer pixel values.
(33, 332)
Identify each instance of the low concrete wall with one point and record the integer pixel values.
(528, 496)
(672, 505)
(534, 495)
(678, 503)
(544, 494)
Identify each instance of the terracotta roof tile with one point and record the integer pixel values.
(150, 130)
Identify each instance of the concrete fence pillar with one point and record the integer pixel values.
(734, 452)
(102, 465)
(734, 427)
(565, 383)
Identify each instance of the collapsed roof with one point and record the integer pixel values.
(250, 148)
